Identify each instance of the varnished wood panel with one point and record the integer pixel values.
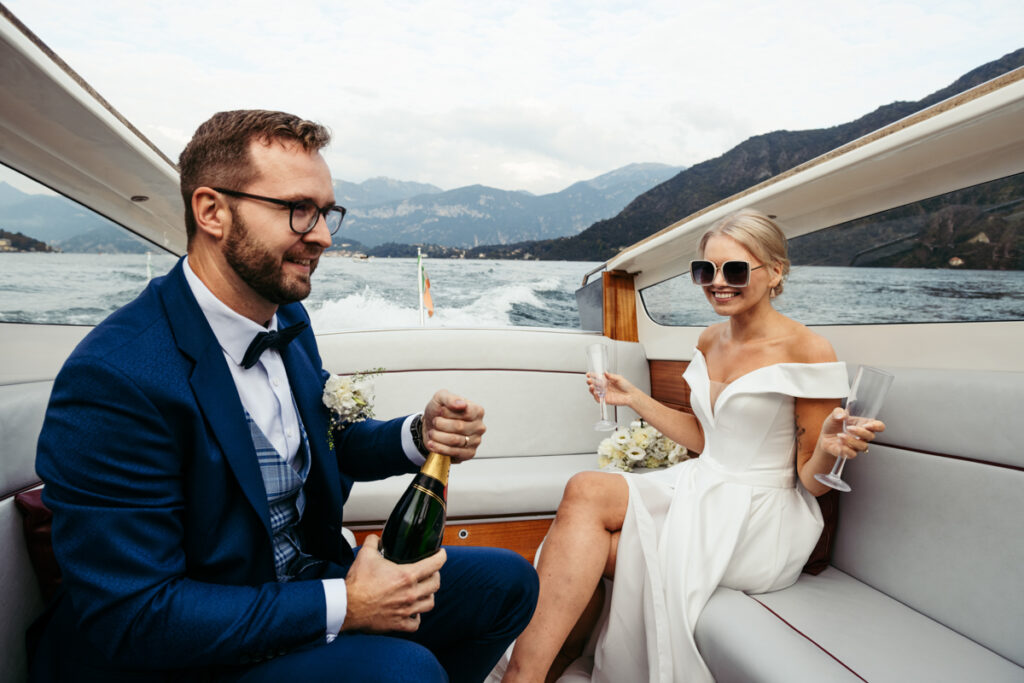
(619, 306)
(668, 385)
(521, 536)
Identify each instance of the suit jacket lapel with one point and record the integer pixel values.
(214, 388)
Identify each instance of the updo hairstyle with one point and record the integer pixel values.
(759, 234)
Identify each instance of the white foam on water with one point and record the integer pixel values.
(363, 310)
(549, 284)
(491, 309)
(368, 309)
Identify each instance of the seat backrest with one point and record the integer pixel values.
(530, 382)
(22, 407)
(934, 518)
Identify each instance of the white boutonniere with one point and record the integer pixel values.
(641, 445)
(349, 399)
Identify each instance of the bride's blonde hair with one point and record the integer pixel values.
(758, 233)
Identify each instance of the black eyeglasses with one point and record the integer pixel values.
(303, 214)
(735, 273)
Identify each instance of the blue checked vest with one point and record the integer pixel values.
(287, 501)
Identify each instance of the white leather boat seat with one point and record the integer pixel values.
(539, 415)
(22, 406)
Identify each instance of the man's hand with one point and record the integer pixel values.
(384, 596)
(453, 426)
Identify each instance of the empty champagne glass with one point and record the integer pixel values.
(597, 365)
(870, 386)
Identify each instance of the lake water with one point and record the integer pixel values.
(85, 288)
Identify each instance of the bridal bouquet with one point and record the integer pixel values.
(639, 446)
(350, 397)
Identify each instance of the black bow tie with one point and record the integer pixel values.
(277, 339)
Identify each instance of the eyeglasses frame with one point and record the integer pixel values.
(750, 269)
(291, 204)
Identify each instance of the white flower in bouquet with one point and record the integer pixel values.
(635, 454)
(350, 397)
(653, 462)
(643, 437)
(677, 454)
(638, 446)
(606, 453)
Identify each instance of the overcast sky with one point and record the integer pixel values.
(525, 94)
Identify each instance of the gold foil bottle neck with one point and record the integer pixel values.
(436, 467)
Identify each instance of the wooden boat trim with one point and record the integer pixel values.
(519, 535)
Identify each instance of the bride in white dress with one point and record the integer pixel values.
(765, 392)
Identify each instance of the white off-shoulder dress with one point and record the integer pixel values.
(735, 517)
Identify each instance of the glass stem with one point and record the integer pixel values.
(837, 469)
(604, 412)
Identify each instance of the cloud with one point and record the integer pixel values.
(521, 95)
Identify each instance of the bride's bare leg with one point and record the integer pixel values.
(577, 639)
(578, 549)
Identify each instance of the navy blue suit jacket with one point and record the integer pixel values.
(161, 524)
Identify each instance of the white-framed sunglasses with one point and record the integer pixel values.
(735, 273)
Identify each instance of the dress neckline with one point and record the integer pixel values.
(715, 390)
(707, 372)
(726, 386)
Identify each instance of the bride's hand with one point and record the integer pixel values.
(854, 441)
(618, 392)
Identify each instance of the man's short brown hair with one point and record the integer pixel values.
(218, 153)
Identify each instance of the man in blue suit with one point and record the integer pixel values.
(197, 498)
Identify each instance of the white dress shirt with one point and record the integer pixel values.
(267, 397)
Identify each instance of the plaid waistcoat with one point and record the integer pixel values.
(287, 501)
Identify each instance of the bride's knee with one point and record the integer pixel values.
(581, 488)
(594, 490)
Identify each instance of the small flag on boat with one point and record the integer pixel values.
(426, 301)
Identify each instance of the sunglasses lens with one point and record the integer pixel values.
(703, 272)
(736, 273)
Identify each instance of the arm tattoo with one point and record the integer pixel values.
(800, 431)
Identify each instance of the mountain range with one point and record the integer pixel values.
(752, 161)
(63, 224)
(474, 215)
(379, 190)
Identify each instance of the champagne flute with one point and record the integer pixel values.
(597, 365)
(870, 386)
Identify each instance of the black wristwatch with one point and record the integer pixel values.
(416, 427)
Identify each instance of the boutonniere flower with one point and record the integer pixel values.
(349, 398)
(641, 445)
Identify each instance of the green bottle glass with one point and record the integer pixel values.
(416, 525)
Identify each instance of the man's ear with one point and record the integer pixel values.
(211, 212)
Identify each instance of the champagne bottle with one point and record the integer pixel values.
(416, 525)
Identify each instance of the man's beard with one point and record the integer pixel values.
(260, 269)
